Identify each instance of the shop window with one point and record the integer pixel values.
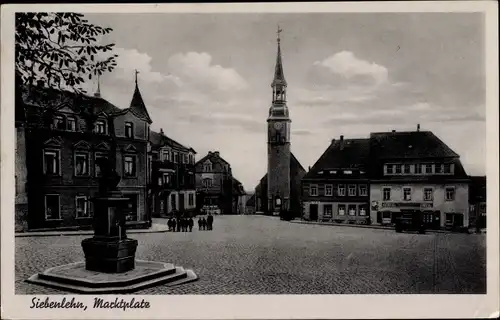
(327, 211)
(341, 209)
(362, 210)
(352, 209)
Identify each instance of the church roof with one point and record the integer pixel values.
(137, 106)
(279, 76)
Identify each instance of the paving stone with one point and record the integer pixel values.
(263, 255)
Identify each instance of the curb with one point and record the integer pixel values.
(76, 233)
(360, 226)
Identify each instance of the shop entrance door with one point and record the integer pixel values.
(313, 212)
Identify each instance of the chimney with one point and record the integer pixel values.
(341, 138)
(393, 131)
(161, 131)
(216, 153)
(333, 141)
(418, 127)
(341, 142)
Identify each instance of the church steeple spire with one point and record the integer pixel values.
(97, 94)
(279, 77)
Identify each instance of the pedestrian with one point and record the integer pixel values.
(191, 223)
(199, 223)
(178, 224)
(169, 224)
(173, 224)
(210, 221)
(203, 223)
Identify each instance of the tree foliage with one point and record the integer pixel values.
(60, 50)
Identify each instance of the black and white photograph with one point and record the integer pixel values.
(161, 153)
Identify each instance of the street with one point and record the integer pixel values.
(263, 255)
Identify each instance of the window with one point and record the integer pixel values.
(407, 194)
(450, 193)
(58, 123)
(52, 161)
(341, 190)
(390, 169)
(97, 168)
(191, 158)
(327, 211)
(362, 210)
(191, 199)
(447, 168)
(52, 207)
(129, 166)
(100, 127)
(176, 157)
(439, 168)
(352, 190)
(418, 168)
(406, 169)
(341, 209)
(71, 124)
(186, 158)
(173, 201)
(352, 209)
(82, 207)
(131, 210)
(207, 167)
(129, 129)
(207, 183)
(328, 190)
(398, 169)
(363, 190)
(428, 192)
(313, 190)
(166, 179)
(428, 168)
(386, 192)
(347, 171)
(81, 164)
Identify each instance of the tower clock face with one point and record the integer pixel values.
(277, 125)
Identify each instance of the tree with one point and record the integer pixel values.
(58, 50)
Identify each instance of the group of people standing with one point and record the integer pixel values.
(182, 224)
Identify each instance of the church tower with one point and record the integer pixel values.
(278, 142)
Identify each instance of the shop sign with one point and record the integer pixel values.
(406, 205)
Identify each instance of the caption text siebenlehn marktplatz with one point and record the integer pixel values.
(99, 303)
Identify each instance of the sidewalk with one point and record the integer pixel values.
(358, 225)
(155, 228)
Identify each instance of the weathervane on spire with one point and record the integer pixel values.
(278, 32)
(136, 73)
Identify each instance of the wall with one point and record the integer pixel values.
(21, 174)
(459, 205)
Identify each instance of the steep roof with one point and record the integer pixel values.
(214, 157)
(409, 145)
(279, 76)
(342, 154)
(159, 140)
(238, 187)
(137, 106)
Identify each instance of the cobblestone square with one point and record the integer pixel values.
(263, 255)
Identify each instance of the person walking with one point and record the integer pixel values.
(178, 224)
(199, 223)
(203, 223)
(191, 224)
(210, 221)
(173, 224)
(169, 224)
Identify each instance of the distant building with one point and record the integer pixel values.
(336, 188)
(477, 201)
(279, 190)
(172, 190)
(417, 172)
(217, 190)
(250, 204)
(61, 149)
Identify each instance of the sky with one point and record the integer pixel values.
(205, 79)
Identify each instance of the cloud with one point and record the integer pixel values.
(347, 65)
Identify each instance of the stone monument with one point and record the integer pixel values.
(109, 250)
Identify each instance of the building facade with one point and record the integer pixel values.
(281, 189)
(217, 190)
(65, 135)
(477, 202)
(416, 172)
(336, 188)
(172, 187)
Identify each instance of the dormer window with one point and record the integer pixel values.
(129, 129)
(347, 171)
(320, 172)
(100, 127)
(58, 123)
(333, 172)
(207, 167)
(71, 123)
